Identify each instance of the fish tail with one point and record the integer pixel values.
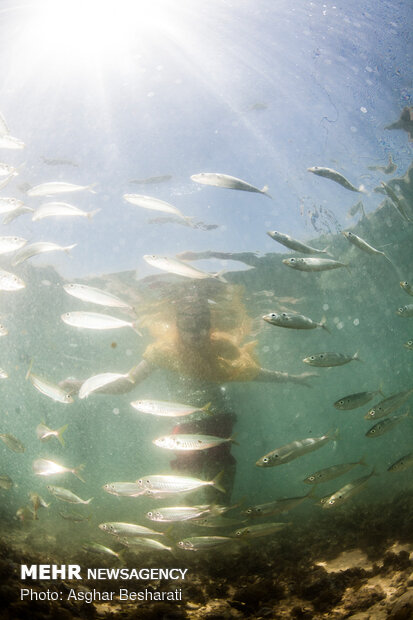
(264, 191)
(348, 268)
(91, 188)
(333, 434)
(92, 214)
(29, 369)
(60, 433)
(232, 439)
(135, 328)
(362, 461)
(362, 189)
(77, 471)
(220, 276)
(216, 482)
(207, 408)
(69, 247)
(87, 501)
(323, 324)
(325, 251)
(312, 491)
(356, 357)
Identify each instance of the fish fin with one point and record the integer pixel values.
(312, 491)
(216, 482)
(69, 247)
(232, 439)
(168, 532)
(264, 191)
(220, 276)
(135, 328)
(362, 461)
(92, 214)
(77, 471)
(88, 500)
(333, 434)
(325, 251)
(207, 408)
(323, 324)
(356, 357)
(380, 390)
(91, 188)
(348, 268)
(60, 433)
(362, 189)
(29, 369)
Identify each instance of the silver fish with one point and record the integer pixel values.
(346, 403)
(11, 244)
(402, 464)
(67, 496)
(278, 506)
(161, 486)
(138, 543)
(58, 187)
(123, 489)
(101, 549)
(188, 442)
(313, 264)
(293, 244)
(44, 433)
(293, 450)
(389, 169)
(397, 202)
(225, 180)
(49, 389)
(335, 176)
(363, 245)
(100, 383)
(409, 345)
(12, 442)
(294, 321)
(166, 409)
(9, 204)
(173, 514)
(343, 494)
(95, 320)
(389, 404)
(177, 267)
(405, 311)
(327, 359)
(39, 247)
(95, 296)
(154, 204)
(15, 212)
(127, 529)
(334, 471)
(10, 282)
(203, 543)
(44, 467)
(6, 180)
(256, 531)
(74, 517)
(61, 209)
(407, 287)
(385, 425)
(10, 142)
(215, 521)
(152, 180)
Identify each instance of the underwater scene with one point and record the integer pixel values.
(206, 310)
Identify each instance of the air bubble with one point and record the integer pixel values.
(116, 411)
(326, 307)
(363, 109)
(336, 320)
(266, 349)
(340, 325)
(356, 322)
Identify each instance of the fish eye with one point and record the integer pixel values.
(149, 514)
(248, 511)
(373, 430)
(140, 481)
(273, 315)
(331, 501)
(181, 543)
(265, 459)
(341, 402)
(292, 260)
(401, 309)
(410, 342)
(312, 357)
(311, 477)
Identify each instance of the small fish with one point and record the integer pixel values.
(389, 169)
(343, 494)
(10, 142)
(11, 244)
(137, 543)
(95, 320)
(40, 247)
(67, 496)
(334, 471)
(161, 486)
(402, 464)
(313, 264)
(215, 521)
(154, 204)
(51, 390)
(37, 502)
(293, 450)
(59, 162)
(256, 531)
(58, 187)
(335, 176)
(61, 209)
(98, 383)
(152, 180)
(44, 433)
(6, 180)
(6, 482)
(355, 400)
(405, 311)
(10, 282)
(44, 467)
(276, 507)
(203, 543)
(123, 489)
(180, 442)
(12, 442)
(386, 425)
(173, 514)
(74, 517)
(357, 208)
(166, 409)
(389, 404)
(24, 513)
(128, 529)
(409, 345)
(327, 359)
(294, 321)
(8, 204)
(95, 296)
(363, 245)
(293, 244)
(15, 213)
(407, 287)
(225, 180)
(397, 202)
(98, 548)
(177, 267)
